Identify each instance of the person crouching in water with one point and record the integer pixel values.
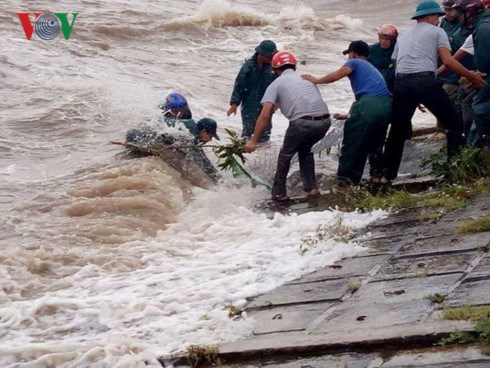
(302, 104)
(368, 119)
(176, 110)
(176, 113)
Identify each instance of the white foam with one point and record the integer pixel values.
(10, 169)
(219, 251)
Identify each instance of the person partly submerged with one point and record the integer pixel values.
(184, 140)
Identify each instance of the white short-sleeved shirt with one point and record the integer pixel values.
(295, 96)
(468, 45)
(417, 50)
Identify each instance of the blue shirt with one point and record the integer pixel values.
(365, 79)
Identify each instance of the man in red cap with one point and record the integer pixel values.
(300, 101)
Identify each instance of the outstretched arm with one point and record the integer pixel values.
(239, 86)
(329, 78)
(454, 65)
(457, 56)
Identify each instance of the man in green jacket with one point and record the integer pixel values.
(476, 17)
(250, 84)
(457, 35)
(380, 53)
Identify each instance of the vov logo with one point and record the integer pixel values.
(47, 25)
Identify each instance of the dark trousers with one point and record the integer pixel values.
(410, 91)
(481, 115)
(300, 136)
(364, 134)
(250, 114)
(465, 102)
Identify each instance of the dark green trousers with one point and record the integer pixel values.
(364, 134)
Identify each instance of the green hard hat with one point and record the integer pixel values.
(267, 48)
(426, 8)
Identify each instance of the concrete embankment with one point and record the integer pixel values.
(386, 307)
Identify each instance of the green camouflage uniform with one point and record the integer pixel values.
(250, 85)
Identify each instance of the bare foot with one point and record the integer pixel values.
(384, 181)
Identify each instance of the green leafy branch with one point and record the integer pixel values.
(228, 153)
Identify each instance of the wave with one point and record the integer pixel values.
(135, 201)
(108, 206)
(220, 14)
(124, 33)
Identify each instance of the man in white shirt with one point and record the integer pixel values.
(300, 101)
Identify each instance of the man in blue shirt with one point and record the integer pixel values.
(368, 119)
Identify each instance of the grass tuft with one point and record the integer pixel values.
(353, 286)
(233, 312)
(479, 314)
(467, 166)
(436, 298)
(335, 230)
(200, 356)
(475, 226)
(467, 313)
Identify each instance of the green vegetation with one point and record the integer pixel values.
(233, 312)
(475, 226)
(428, 217)
(481, 335)
(200, 356)
(480, 315)
(446, 198)
(467, 166)
(334, 230)
(230, 152)
(458, 337)
(393, 199)
(436, 298)
(353, 286)
(229, 156)
(453, 192)
(467, 313)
